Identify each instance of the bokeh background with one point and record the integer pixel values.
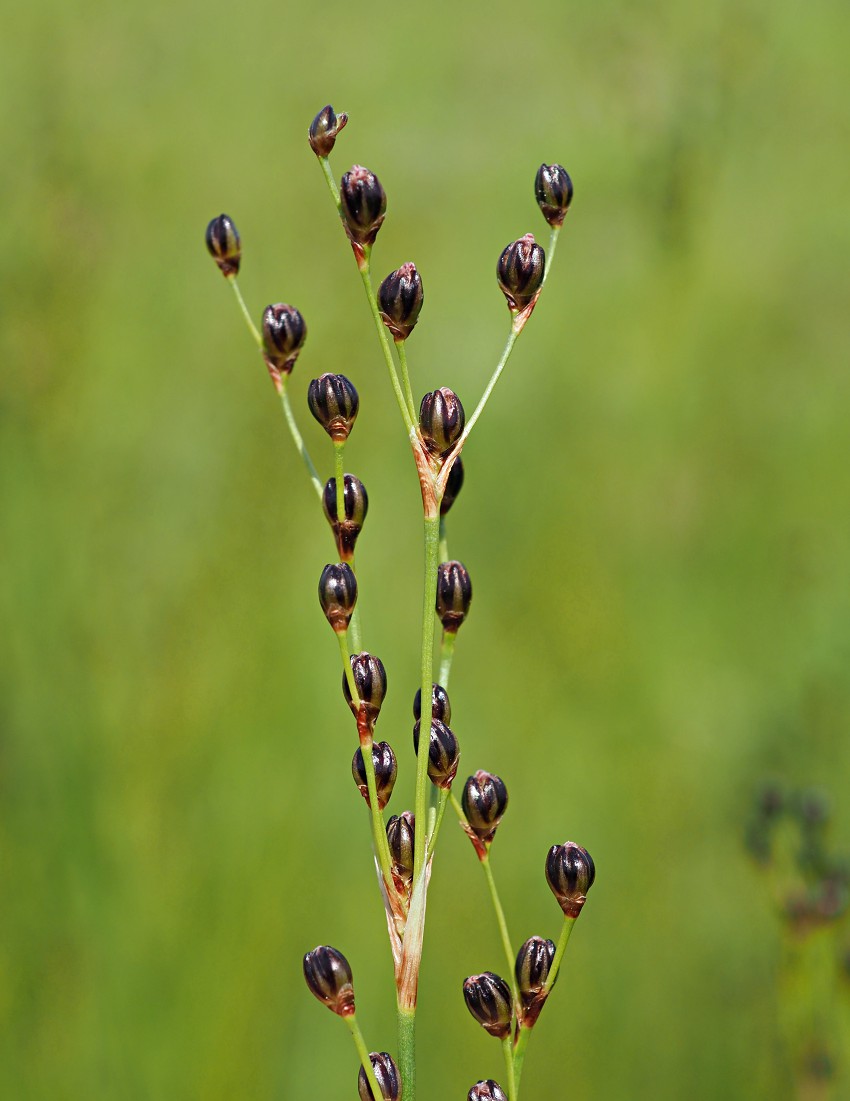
(656, 520)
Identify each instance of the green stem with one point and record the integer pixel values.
(339, 471)
(363, 1052)
(510, 955)
(519, 1055)
(447, 651)
(296, 436)
(252, 328)
(509, 1067)
(494, 378)
(331, 182)
(432, 546)
(444, 544)
(401, 348)
(379, 833)
(407, 1052)
(550, 256)
(441, 809)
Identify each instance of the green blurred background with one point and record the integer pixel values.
(656, 520)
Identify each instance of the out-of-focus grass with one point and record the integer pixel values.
(656, 519)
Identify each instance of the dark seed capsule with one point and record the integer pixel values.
(570, 873)
(284, 333)
(355, 503)
(441, 708)
(224, 245)
(400, 297)
(364, 204)
(520, 271)
(334, 403)
(387, 1075)
(533, 964)
(485, 800)
(370, 680)
(338, 595)
(488, 1090)
(488, 999)
(443, 753)
(441, 420)
(324, 129)
(401, 830)
(453, 486)
(553, 190)
(386, 770)
(329, 977)
(454, 595)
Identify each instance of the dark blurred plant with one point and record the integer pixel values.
(809, 883)
(404, 846)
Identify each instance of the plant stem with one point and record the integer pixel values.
(252, 328)
(494, 378)
(401, 348)
(432, 542)
(447, 651)
(444, 546)
(331, 182)
(339, 472)
(510, 955)
(441, 809)
(379, 833)
(363, 1052)
(407, 1052)
(550, 256)
(509, 1067)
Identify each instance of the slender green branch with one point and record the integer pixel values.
(444, 544)
(296, 436)
(510, 955)
(252, 328)
(509, 1067)
(363, 1053)
(432, 543)
(441, 810)
(519, 1055)
(331, 182)
(339, 472)
(494, 378)
(447, 651)
(401, 348)
(379, 833)
(550, 256)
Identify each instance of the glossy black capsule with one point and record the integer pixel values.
(520, 271)
(454, 484)
(484, 800)
(400, 298)
(441, 707)
(533, 964)
(334, 403)
(553, 190)
(401, 833)
(488, 999)
(355, 503)
(284, 333)
(443, 753)
(324, 129)
(441, 420)
(487, 1090)
(338, 594)
(570, 873)
(370, 680)
(454, 594)
(387, 1075)
(328, 976)
(364, 204)
(386, 770)
(224, 245)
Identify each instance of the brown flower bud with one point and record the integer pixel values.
(324, 129)
(454, 594)
(284, 333)
(400, 297)
(364, 205)
(355, 501)
(520, 272)
(570, 873)
(387, 1075)
(224, 245)
(488, 999)
(386, 770)
(338, 595)
(334, 403)
(328, 976)
(441, 420)
(553, 190)
(485, 800)
(533, 964)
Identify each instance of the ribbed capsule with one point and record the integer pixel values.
(441, 420)
(520, 271)
(443, 753)
(338, 595)
(487, 1090)
(533, 964)
(284, 333)
(386, 770)
(328, 976)
(400, 298)
(485, 800)
(224, 245)
(370, 680)
(441, 707)
(570, 873)
(364, 204)
(553, 190)
(401, 830)
(454, 594)
(355, 503)
(454, 483)
(334, 403)
(387, 1075)
(488, 999)
(324, 129)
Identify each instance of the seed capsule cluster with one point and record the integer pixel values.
(437, 433)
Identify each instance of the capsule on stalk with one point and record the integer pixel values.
(284, 333)
(520, 272)
(224, 245)
(533, 964)
(355, 503)
(401, 831)
(387, 1075)
(324, 129)
(386, 770)
(488, 999)
(443, 753)
(485, 800)
(338, 595)
(328, 976)
(487, 1090)
(454, 595)
(570, 873)
(364, 204)
(400, 298)
(370, 680)
(553, 190)
(334, 403)
(441, 420)
(441, 708)
(454, 484)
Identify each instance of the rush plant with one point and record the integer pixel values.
(437, 430)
